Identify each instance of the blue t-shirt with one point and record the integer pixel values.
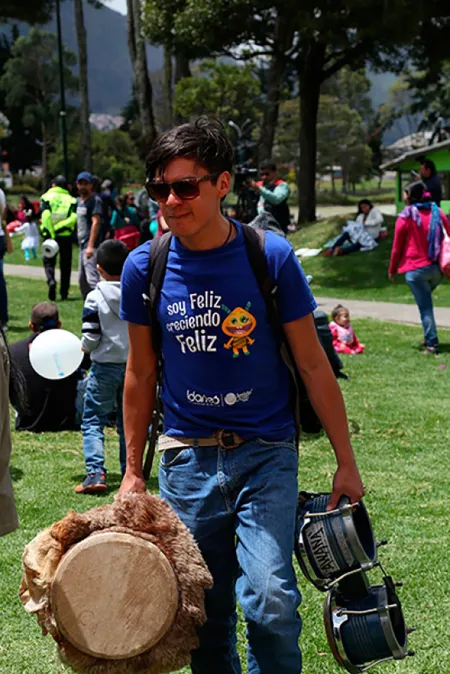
(222, 363)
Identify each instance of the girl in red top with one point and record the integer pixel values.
(415, 253)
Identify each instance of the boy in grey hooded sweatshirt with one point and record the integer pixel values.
(105, 338)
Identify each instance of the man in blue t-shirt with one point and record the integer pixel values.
(229, 461)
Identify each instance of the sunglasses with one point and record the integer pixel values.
(265, 173)
(183, 189)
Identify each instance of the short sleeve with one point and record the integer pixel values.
(98, 206)
(294, 296)
(134, 284)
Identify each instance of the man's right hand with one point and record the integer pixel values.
(132, 483)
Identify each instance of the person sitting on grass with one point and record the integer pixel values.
(105, 338)
(344, 338)
(362, 233)
(53, 404)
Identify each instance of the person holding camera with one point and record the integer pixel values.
(273, 193)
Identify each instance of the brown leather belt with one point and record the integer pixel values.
(221, 438)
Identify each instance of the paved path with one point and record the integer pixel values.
(383, 311)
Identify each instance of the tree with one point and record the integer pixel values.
(31, 11)
(158, 27)
(141, 80)
(84, 88)
(114, 155)
(429, 97)
(228, 92)
(31, 81)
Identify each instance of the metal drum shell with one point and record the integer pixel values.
(330, 546)
(356, 640)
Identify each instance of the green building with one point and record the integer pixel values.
(439, 153)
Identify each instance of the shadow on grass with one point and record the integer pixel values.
(114, 480)
(16, 473)
(18, 328)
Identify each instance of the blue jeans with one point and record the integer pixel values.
(3, 293)
(421, 283)
(240, 507)
(104, 392)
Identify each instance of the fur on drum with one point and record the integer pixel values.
(144, 517)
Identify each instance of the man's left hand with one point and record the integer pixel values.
(346, 482)
(252, 184)
(89, 252)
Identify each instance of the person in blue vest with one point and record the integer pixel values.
(273, 194)
(229, 457)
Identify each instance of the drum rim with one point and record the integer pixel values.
(333, 624)
(364, 561)
(65, 559)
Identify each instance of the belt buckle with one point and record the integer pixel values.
(227, 439)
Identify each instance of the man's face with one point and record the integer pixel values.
(268, 176)
(424, 171)
(84, 188)
(187, 217)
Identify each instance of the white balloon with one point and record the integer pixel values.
(55, 354)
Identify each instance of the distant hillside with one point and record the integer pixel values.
(110, 75)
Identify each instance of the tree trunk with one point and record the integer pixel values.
(310, 71)
(142, 84)
(168, 84)
(84, 90)
(44, 158)
(283, 36)
(333, 182)
(182, 67)
(182, 70)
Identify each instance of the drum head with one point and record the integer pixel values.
(114, 595)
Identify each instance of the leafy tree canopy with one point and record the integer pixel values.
(229, 92)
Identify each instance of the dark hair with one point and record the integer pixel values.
(17, 384)
(338, 310)
(204, 141)
(268, 164)
(111, 256)
(96, 184)
(416, 192)
(44, 316)
(60, 181)
(428, 164)
(27, 203)
(364, 202)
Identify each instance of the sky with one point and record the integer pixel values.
(117, 5)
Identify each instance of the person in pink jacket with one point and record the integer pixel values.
(418, 235)
(344, 338)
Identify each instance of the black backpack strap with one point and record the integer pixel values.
(304, 414)
(157, 262)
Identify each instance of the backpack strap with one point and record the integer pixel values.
(304, 414)
(157, 262)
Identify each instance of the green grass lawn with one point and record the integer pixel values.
(397, 402)
(17, 256)
(359, 276)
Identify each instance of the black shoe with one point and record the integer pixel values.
(65, 298)
(52, 291)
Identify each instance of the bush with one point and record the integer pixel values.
(24, 188)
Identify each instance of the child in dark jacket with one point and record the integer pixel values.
(105, 338)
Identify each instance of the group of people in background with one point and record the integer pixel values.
(90, 398)
(96, 214)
